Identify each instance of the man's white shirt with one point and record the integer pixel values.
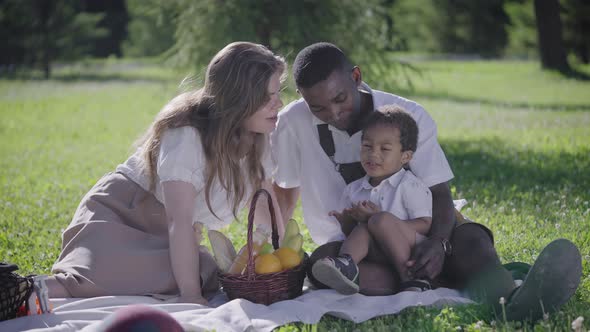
(301, 162)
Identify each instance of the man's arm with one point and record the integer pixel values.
(443, 211)
(287, 199)
(428, 257)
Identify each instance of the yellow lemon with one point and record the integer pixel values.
(267, 263)
(289, 258)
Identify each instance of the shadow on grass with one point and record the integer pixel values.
(511, 105)
(575, 74)
(100, 71)
(489, 168)
(109, 77)
(88, 77)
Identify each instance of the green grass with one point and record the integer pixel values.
(499, 83)
(517, 139)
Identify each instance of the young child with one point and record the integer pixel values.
(390, 207)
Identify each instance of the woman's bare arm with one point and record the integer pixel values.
(179, 200)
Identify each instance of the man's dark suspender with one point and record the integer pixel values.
(348, 171)
(326, 140)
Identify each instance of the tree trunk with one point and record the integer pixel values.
(46, 46)
(46, 68)
(583, 54)
(388, 5)
(263, 34)
(551, 47)
(44, 10)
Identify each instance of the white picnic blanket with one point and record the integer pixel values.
(236, 315)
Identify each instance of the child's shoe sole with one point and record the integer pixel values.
(330, 276)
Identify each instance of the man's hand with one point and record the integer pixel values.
(427, 259)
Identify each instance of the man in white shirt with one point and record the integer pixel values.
(316, 147)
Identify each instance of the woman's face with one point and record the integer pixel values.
(265, 119)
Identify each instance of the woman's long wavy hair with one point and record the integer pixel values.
(235, 88)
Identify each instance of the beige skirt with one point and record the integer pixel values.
(117, 244)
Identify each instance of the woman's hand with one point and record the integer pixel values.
(196, 299)
(347, 223)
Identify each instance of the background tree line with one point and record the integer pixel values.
(36, 33)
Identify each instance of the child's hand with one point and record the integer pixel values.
(370, 207)
(356, 212)
(362, 211)
(336, 214)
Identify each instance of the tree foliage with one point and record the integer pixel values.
(40, 32)
(151, 27)
(188, 33)
(286, 26)
(115, 19)
(452, 26)
(576, 28)
(522, 29)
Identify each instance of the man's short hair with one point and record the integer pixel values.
(316, 62)
(395, 117)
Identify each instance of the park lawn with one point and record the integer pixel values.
(517, 139)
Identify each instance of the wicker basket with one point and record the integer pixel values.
(264, 288)
(14, 291)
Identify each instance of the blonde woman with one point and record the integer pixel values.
(197, 165)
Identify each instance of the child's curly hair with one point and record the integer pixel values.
(395, 117)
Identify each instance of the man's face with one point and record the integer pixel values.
(335, 100)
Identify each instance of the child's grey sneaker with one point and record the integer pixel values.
(549, 284)
(339, 273)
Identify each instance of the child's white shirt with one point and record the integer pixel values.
(402, 194)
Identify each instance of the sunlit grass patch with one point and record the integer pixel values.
(520, 155)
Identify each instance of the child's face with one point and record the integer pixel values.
(381, 152)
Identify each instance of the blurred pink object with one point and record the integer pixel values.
(139, 317)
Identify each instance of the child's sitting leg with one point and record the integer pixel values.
(396, 239)
(341, 272)
(357, 243)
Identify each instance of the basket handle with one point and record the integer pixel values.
(275, 233)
